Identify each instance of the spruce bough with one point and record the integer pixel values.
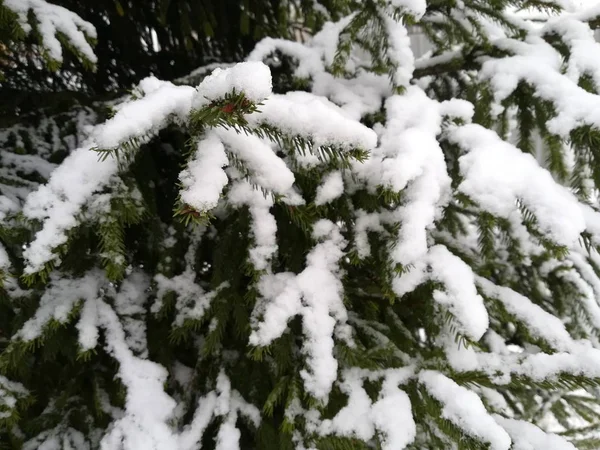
(331, 245)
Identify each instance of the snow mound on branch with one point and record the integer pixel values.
(497, 175)
(459, 294)
(316, 294)
(304, 114)
(526, 436)
(203, 180)
(464, 409)
(162, 101)
(253, 78)
(54, 19)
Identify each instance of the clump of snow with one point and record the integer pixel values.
(399, 51)
(331, 188)
(88, 324)
(10, 393)
(464, 409)
(539, 64)
(309, 60)
(501, 364)
(357, 96)
(225, 403)
(459, 295)
(526, 436)
(203, 180)
(81, 176)
(538, 321)
(144, 424)
(58, 202)
(409, 158)
(264, 227)
(307, 115)
(497, 175)
(316, 295)
(253, 78)
(266, 168)
(53, 19)
(365, 223)
(390, 414)
(192, 300)
(415, 7)
(162, 101)
(130, 303)
(4, 259)
(61, 436)
(57, 302)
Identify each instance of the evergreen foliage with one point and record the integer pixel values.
(132, 40)
(331, 245)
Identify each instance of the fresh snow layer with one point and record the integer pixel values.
(497, 175)
(464, 409)
(53, 19)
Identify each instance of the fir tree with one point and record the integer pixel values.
(330, 245)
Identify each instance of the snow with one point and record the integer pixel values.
(537, 63)
(326, 40)
(144, 424)
(307, 115)
(399, 52)
(62, 436)
(222, 402)
(58, 300)
(527, 436)
(354, 419)
(331, 188)
(129, 304)
(588, 298)
(190, 437)
(52, 19)
(364, 223)
(309, 61)
(4, 259)
(192, 300)
(266, 168)
(316, 295)
(580, 39)
(203, 180)
(88, 325)
(539, 322)
(459, 295)
(357, 96)
(408, 153)
(497, 175)
(10, 393)
(427, 61)
(81, 176)
(501, 365)
(263, 228)
(414, 7)
(58, 202)
(464, 409)
(390, 414)
(253, 78)
(162, 101)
